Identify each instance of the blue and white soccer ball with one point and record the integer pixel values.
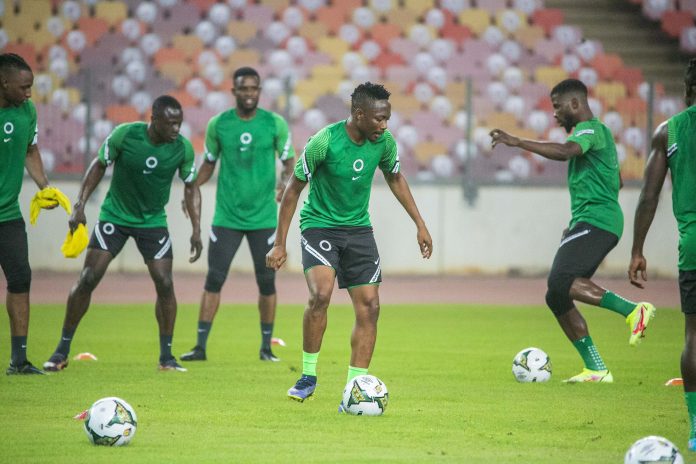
(110, 422)
(365, 395)
(653, 449)
(531, 365)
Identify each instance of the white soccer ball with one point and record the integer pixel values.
(110, 422)
(653, 449)
(365, 395)
(531, 365)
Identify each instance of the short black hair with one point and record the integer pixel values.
(246, 71)
(690, 75)
(13, 61)
(367, 92)
(569, 86)
(163, 102)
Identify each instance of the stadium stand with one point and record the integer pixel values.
(117, 55)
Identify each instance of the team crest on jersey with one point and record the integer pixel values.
(8, 128)
(151, 164)
(245, 138)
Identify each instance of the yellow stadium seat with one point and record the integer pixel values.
(502, 120)
(310, 30)
(40, 39)
(242, 57)
(242, 31)
(424, 152)
(550, 75)
(456, 93)
(404, 104)
(277, 5)
(191, 45)
(417, 6)
(333, 46)
(476, 19)
(113, 12)
(308, 91)
(610, 92)
(177, 71)
(405, 17)
(529, 36)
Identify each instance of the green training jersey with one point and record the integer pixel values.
(681, 158)
(594, 179)
(18, 133)
(340, 173)
(247, 150)
(142, 177)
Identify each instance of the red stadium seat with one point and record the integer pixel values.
(548, 19)
(607, 65)
(674, 21)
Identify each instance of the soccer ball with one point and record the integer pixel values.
(531, 365)
(365, 395)
(110, 422)
(653, 449)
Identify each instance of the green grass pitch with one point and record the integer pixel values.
(452, 395)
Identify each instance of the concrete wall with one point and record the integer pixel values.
(508, 230)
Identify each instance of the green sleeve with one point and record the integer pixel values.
(584, 135)
(187, 168)
(313, 155)
(34, 132)
(212, 144)
(390, 158)
(283, 139)
(111, 148)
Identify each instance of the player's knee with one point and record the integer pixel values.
(164, 284)
(319, 300)
(558, 294)
(266, 283)
(372, 310)
(19, 281)
(214, 281)
(88, 280)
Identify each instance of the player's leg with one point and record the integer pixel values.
(360, 271)
(14, 260)
(260, 243)
(222, 246)
(320, 252)
(637, 315)
(106, 242)
(687, 288)
(573, 260)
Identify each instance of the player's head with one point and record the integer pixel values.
(690, 83)
(16, 80)
(569, 99)
(370, 109)
(166, 119)
(246, 89)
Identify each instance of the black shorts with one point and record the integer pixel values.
(223, 245)
(582, 250)
(14, 255)
(152, 242)
(687, 291)
(351, 251)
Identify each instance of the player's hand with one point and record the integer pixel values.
(425, 242)
(196, 247)
(638, 265)
(183, 208)
(276, 257)
(500, 136)
(77, 217)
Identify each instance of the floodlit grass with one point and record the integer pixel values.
(447, 367)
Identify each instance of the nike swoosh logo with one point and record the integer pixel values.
(146, 172)
(24, 347)
(377, 262)
(7, 139)
(355, 178)
(201, 330)
(161, 241)
(66, 339)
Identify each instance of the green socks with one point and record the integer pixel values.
(589, 353)
(309, 363)
(690, 398)
(616, 303)
(353, 372)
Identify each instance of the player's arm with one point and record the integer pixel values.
(288, 204)
(286, 153)
(94, 175)
(192, 200)
(35, 167)
(285, 176)
(399, 187)
(551, 150)
(654, 179)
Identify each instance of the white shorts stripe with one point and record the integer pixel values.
(375, 276)
(314, 252)
(167, 245)
(271, 239)
(213, 237)
(574, 236)
(100, 239)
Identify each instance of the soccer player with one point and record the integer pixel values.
(595, 226)
(673, 148)
(145, 158)
(339, 163)
(18, 150)
(246, 140)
